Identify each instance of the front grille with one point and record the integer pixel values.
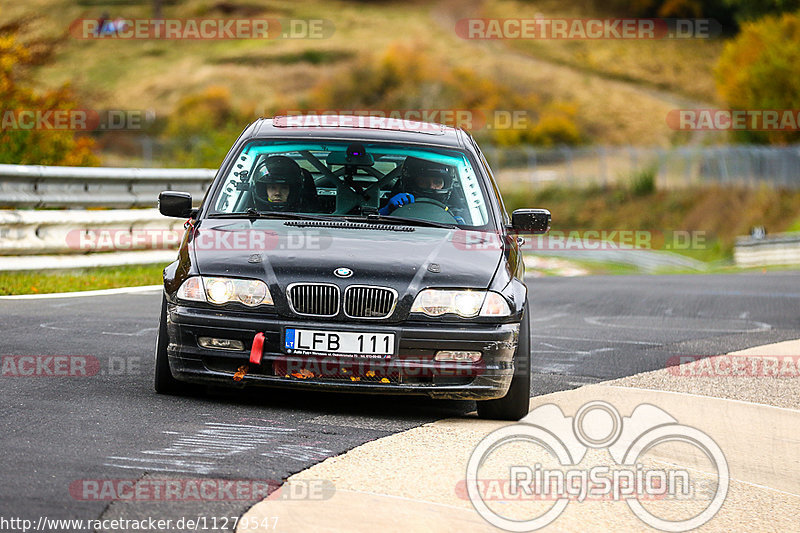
(314, 299)
(361, 301)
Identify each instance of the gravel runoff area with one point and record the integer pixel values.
(414, 480)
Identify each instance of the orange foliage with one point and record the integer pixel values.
(35, 146)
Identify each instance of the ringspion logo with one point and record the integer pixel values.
(559, 444)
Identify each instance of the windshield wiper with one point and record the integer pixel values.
(253, 214)
(401, 221)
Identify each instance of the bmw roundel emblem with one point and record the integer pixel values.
(343, 272)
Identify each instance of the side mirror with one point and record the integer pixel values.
(535, 221)
(175, 204)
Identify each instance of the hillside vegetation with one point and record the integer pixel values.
(720, 213)
(608, 92)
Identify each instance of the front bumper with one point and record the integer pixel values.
(412, 371)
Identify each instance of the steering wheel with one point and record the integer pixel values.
(431, 201)
(426, 209)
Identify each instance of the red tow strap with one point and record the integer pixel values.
(258, 349)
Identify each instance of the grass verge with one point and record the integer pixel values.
(38, 282)
(29, 282)
(608, 268)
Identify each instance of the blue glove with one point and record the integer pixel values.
(396, 201)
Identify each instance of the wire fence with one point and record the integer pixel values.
(745, 165)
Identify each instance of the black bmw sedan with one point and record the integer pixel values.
(351, 253)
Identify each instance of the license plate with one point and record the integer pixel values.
(346, 343)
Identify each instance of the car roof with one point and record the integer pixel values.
(356, 127)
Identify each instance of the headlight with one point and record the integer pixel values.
(465, 303)
(220, 291)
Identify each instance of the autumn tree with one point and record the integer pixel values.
(32, 145)
(758, 71)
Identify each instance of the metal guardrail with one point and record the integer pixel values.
(75, 231)
(25, 232)
(77, 187)
(778, 249)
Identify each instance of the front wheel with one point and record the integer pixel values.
(514, 405)
(165, 383)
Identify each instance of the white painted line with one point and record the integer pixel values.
(750, 483)
(549, 317)
(598, 340)
(703, 396)
(78, 294)
(599, 321)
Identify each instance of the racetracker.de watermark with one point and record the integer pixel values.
(254, 240)
(734, 119)
(49, 366)
(587, 29)
(68, 366)
(561, 442)
(734, 366)
(202, 29)
(197, 490)
(422, 118)
(371, 121)
(245, 240)
(373, 369)
(592, 240)
(75, 119)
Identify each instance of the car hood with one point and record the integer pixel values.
(406, 261)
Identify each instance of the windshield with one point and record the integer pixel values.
(350, 179)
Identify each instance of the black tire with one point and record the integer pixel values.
(165, 383)
(514, 405)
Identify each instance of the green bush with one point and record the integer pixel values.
(643, 183)
(747, 10)
(729, 13)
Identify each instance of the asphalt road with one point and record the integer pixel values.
(58, 432)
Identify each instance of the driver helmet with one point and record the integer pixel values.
(427, 179)
(278, 184)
